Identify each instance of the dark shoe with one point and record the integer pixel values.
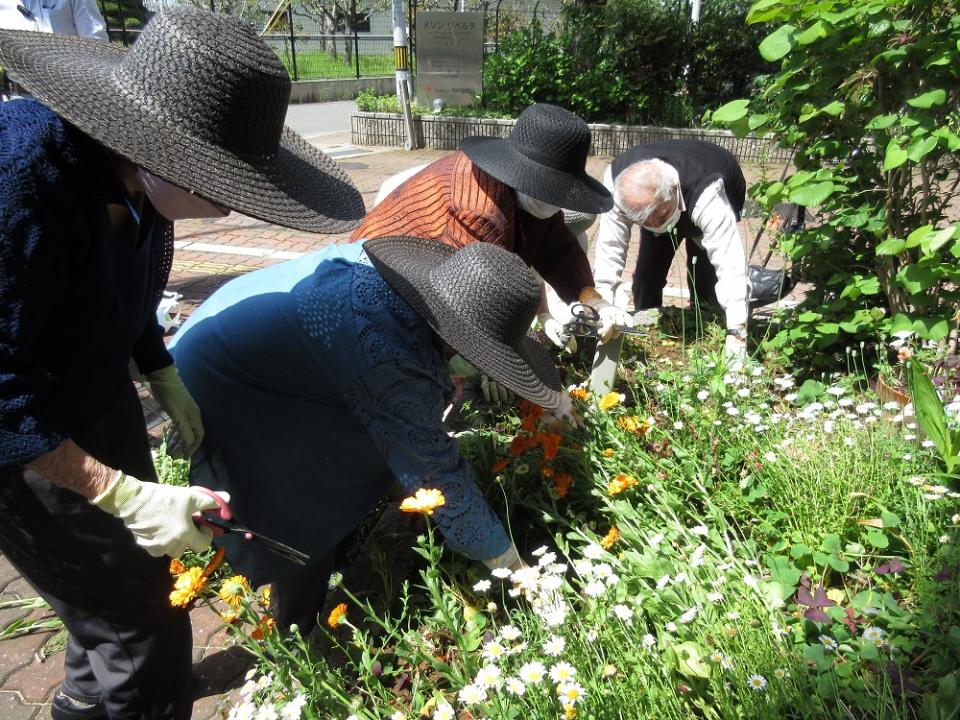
(66, 707)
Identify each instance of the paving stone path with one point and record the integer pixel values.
(209, 253)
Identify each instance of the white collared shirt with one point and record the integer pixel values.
(65, 17)
(715, 218)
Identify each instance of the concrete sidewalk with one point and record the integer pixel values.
(209, 253)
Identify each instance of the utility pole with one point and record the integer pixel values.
(401, 61)
(695, 11)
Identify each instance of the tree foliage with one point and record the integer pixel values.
(867, 95)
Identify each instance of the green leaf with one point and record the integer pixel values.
(778, 43)
(838, 564)
(936, 240)
(889, 519)
(731, 112)
(810, 391)
(834, 108)
(690, 660)
(815, 32)
(877, 539)
(914, 238)
(831, 543)
(929, 409)
(891, 246)
(881, 122)
(927, 99)
(931, 328)
(757, 120)
(916, 278)
(764, 11)
(812, 194)
(895, 155)
(949, 138)
(783, 571)
(920, 148)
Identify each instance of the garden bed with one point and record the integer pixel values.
(445, 132)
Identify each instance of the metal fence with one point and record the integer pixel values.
(310, 53)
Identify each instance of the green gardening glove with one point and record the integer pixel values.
(167, 387)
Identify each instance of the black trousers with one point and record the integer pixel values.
(127, 647)
(654, 257)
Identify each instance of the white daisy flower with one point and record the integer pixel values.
(703, 395)
(481, 586)
(501, 573)
(595, 589)
(648, 641)
(689, 615)
(245, 711)
(267, 712)
(757, 683)
(562, 672)
(494, 650)
(293, 709)
(623, 612)
(594, 552)
(663, 582)
(472, 694)
(444, 711)
(701, 530)
(781, 674)
(715, 597)
(510, 633)
(570, 693)
(670, 627)
(873, 635)
(550, 583)
(488, 676)
(515, 686)
(532, 672)
(547, 559)
(829, 644)
(554, 645)
(539, 551)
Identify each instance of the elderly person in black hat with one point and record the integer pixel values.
(697, 189)
(325, 378)
(116, 145)
(510, 192)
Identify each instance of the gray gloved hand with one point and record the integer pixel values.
(494, 391)
(610, 316)
(167, 387)
(736, 348)
(553, 329)
(159, 516)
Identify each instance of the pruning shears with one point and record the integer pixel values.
(220, 521)
(586, 323)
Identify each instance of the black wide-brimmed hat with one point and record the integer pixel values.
(198, 100)
(545, 157)
(481, 300)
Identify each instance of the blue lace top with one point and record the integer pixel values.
(318, 385)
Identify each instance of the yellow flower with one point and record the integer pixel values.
(234, 590)
(610, 538)
(608, 452)
(264, 598)
(569, 712)
(337, 615)
(177, 567)
(610, 400)
(187, 586)
(229, 616)
(424, 501)
(580, 393)
(621, 483)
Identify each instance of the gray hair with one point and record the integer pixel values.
(643, 186)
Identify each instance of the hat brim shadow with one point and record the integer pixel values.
(525, 368)
(298, 186)
(572, 191)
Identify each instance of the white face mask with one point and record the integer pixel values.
(671, 221)
(537, 208)
(175, 203)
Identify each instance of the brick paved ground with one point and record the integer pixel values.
(203, 263)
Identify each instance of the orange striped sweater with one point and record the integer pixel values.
(455, 202)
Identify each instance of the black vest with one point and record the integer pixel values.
(698, 163)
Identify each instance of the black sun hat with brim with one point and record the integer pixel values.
(198, 100)
(481, 300)
(545, 157)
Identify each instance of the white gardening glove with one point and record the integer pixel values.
(159, 516)
(167, 387)
(553, 329)
(736, 348)
(494, 391)
(563, 417)
(610, 315)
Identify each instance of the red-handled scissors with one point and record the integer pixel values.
(220, 521)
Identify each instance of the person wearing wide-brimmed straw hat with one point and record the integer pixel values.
(325, 378)
(510, 192)
(116, 145)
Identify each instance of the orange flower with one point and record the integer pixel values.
(177, 567)
(562, 483)
(620, 483)
(425, 500)
(501, 465)
(520, 444)
(608, 452)
(550, 442)
(610, 400)
(633, 424)
(264, 628)
(265, 597)
(580, 393)
(610, 538)
(187, 586)
(337, 616)
(547, 472)
(234, 590)
(530, 414)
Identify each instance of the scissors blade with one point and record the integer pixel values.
(270, 544)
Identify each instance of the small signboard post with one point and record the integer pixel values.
(449, 57)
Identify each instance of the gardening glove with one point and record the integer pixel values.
(610, 315)
(553, 329)
(494, 391)
(736, 347)
(167, 387)
(507, 560)
(562, 417)
(159, 516)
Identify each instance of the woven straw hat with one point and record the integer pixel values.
(545, 156)
(481, 300)
(199, 100)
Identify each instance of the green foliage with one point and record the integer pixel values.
(672, 71)
(867, 94)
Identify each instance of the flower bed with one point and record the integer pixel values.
(716, 542)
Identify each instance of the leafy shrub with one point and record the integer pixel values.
(867, 94)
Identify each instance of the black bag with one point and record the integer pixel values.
(767, 286)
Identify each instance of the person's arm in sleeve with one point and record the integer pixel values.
(610, 252)
(88, 20)
(716, 219)
(402, 409)
(559, 259)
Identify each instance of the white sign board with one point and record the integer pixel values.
(449, 57)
